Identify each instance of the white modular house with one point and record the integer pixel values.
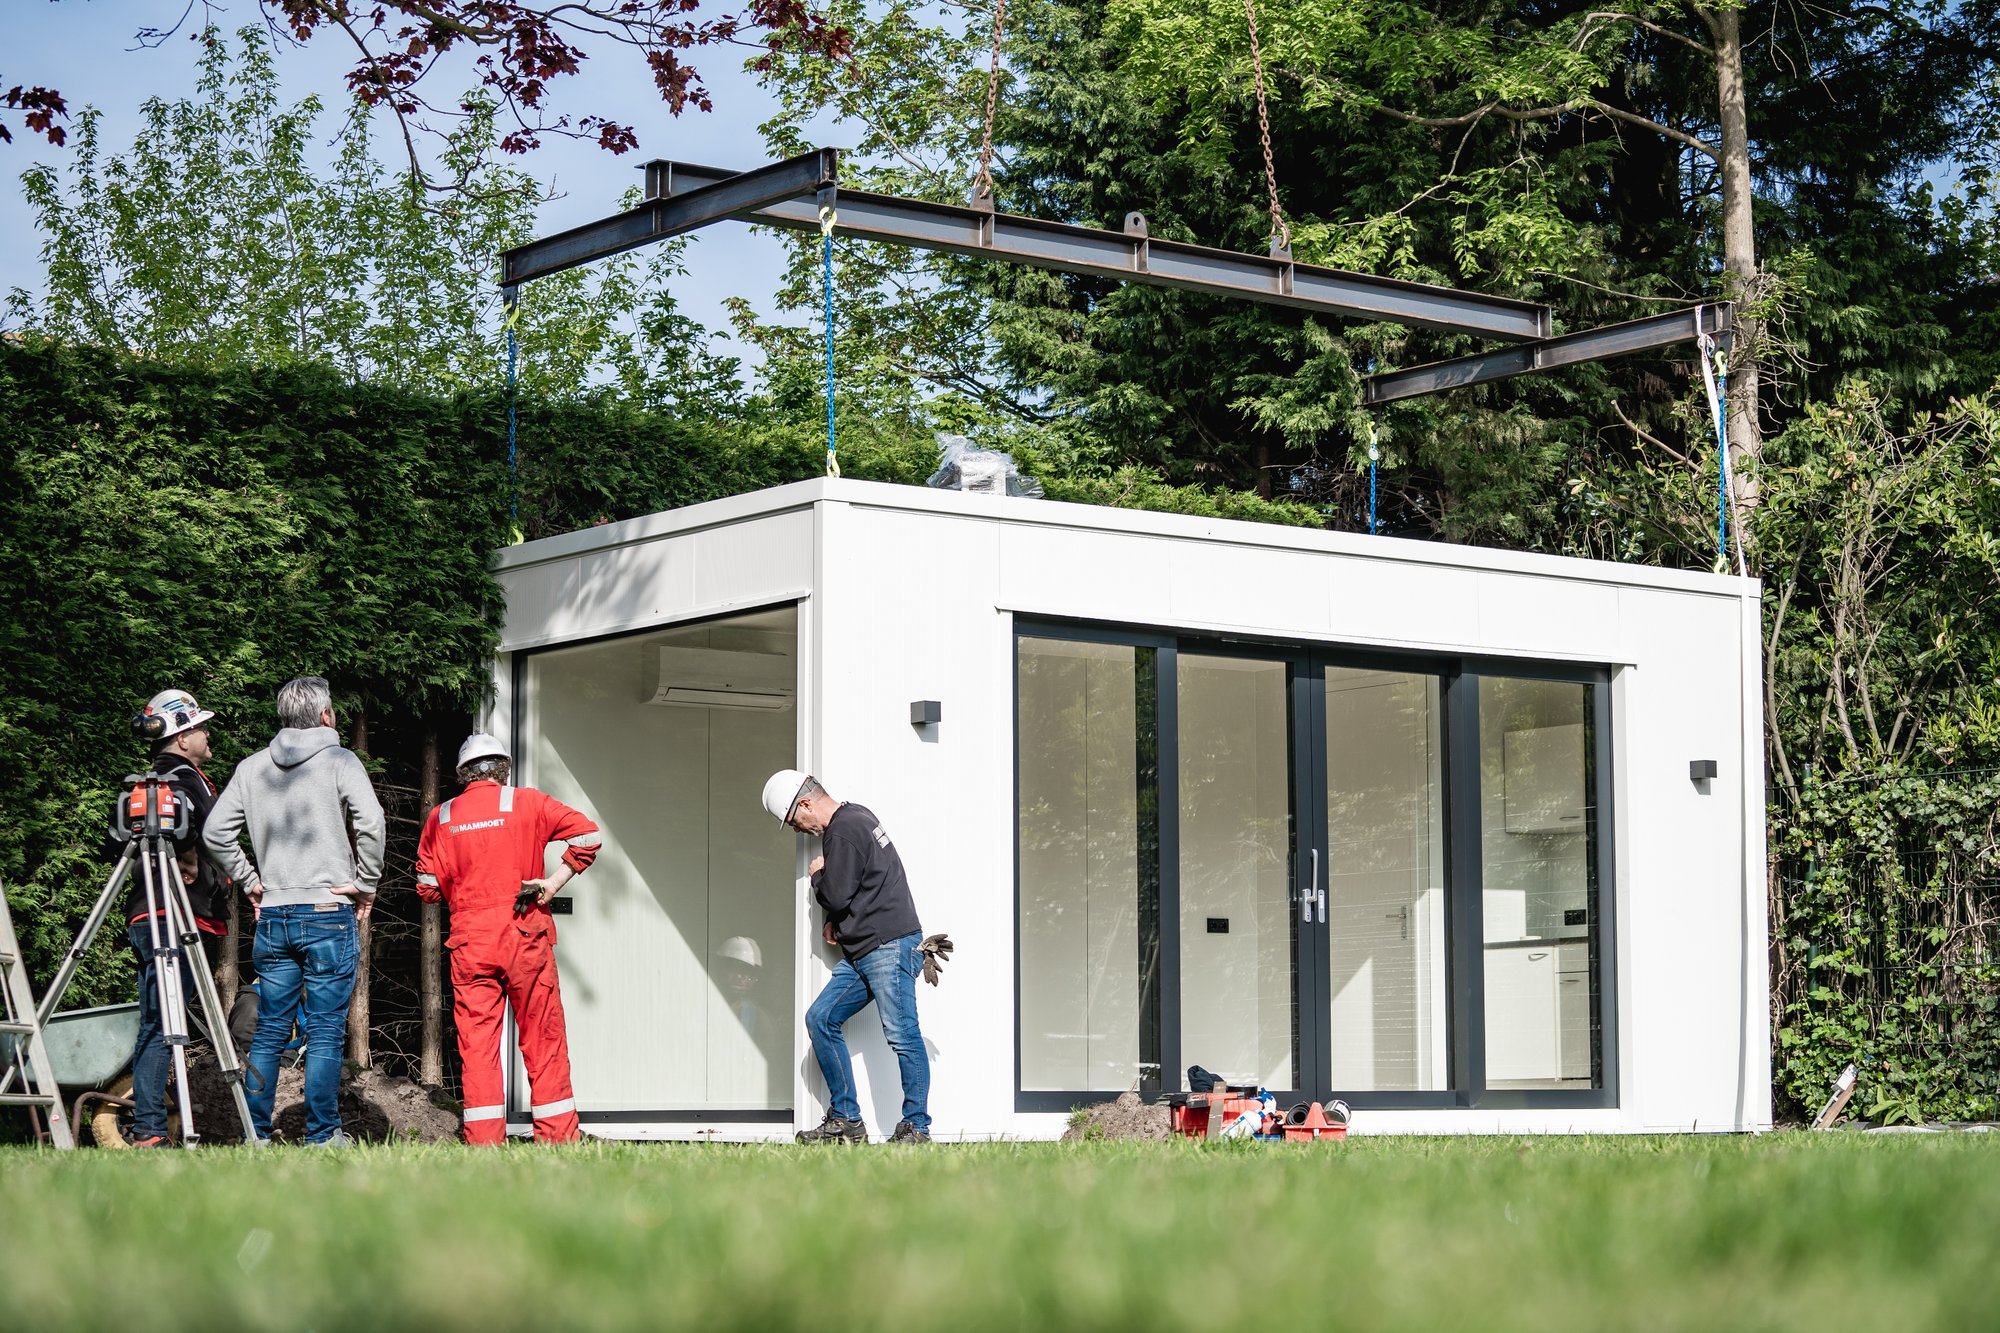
(1471, 839)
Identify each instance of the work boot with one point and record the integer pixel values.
(835, 1129)
(155, 1141)
(909, 1133)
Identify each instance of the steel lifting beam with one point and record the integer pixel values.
(1570, 349)
(1127, 256)
(723, 195)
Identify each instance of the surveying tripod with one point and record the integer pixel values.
(148, 818)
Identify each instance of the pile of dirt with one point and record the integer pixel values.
(1129, 1117)
(373, 1106)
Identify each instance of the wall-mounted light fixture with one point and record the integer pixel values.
(1701, 770)
(925, 712)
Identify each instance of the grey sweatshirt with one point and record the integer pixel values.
(297, 797)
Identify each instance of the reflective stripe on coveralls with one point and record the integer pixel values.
(477, 849)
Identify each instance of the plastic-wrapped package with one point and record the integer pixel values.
(964, 466)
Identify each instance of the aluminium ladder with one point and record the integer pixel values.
(19, 1020)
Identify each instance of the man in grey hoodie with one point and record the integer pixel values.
(297, 798)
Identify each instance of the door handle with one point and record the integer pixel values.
(1313, 888)
(1306, 890)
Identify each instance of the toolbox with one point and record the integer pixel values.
(1204, 1115)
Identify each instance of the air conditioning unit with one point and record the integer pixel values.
(716, 678)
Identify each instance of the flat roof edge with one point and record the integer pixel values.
(1104, 518)
(664, 523)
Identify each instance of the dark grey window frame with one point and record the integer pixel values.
(1459, 678)
(1167, 874)
(1467, 888)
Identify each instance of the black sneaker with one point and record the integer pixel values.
(909, 1133)
(835, 1129)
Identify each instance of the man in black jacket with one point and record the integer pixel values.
(179, 728)
(858, 880)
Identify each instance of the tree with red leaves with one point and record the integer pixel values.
(518, 50)
(44, 107)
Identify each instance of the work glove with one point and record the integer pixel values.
(936, 950)
(524, 901)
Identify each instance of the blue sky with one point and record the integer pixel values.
(85, 48)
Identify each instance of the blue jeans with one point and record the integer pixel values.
(150, 1058)
(305, 970)
(888, 976)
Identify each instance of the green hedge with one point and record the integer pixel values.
(1886, 944)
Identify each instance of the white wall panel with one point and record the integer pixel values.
(1219, 583)
(907, 612)
(1686, 924)
(626, 585)
(630, 584)
(1068, 571)
(1557, 618)
(1385, 602)
(739, 564)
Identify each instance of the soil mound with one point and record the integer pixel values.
(374, 1106)
(1129, 1117)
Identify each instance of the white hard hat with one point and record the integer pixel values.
(743, 949)
(479, 745)
(177, 712)
(782, 792)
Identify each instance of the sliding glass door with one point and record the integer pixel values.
(1323, 873)
(1240, 958)
(1088, 779)
(1385, 881)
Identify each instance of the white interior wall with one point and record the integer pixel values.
(663, 1012)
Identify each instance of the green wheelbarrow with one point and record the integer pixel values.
(91, 1049)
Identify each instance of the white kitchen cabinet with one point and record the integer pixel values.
(1521, 1009)
(1538, 1013)
(1573, 1009)
(1542, 779)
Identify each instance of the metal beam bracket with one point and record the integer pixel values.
(1638, 335)
(673, 206)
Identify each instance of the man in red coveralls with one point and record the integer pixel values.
(481, 853)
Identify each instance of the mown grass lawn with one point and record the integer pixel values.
(1791, 1231)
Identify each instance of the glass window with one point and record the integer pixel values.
(1238, 925)
(1538, 823)
(677, 964)
(1089, 866)
(1385, 881)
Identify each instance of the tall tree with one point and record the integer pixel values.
(1682, 74)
